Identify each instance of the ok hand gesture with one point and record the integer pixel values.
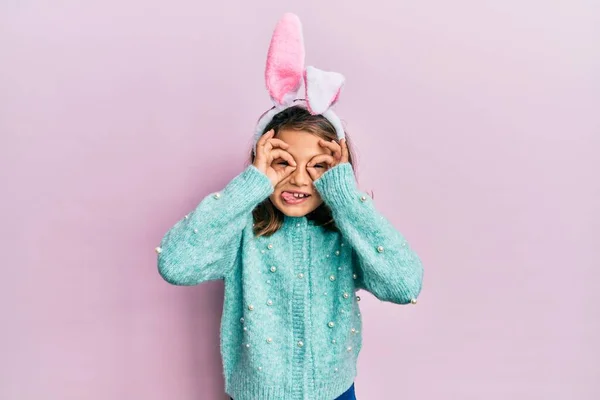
(269, 149)
(339, 155)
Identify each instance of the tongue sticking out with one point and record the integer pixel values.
(287, 196)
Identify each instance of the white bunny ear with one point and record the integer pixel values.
(285, 60)
(322, 89)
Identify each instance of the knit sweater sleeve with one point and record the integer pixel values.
(204, 245)
(383, 261)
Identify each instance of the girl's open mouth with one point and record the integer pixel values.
(293, 198)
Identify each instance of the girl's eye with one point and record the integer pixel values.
(282, 163)
(319, 165)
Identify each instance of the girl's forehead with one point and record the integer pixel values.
(302, 144)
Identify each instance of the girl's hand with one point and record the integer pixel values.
(339, 155)
(269, 149)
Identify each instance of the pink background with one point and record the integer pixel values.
(476, 125)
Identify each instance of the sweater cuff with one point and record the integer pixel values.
(249, 187)
(337, 186)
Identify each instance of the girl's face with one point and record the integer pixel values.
(295, 195)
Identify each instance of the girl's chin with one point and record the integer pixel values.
(294, 210)
(296, 214)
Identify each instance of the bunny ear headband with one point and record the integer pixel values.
(284, 75)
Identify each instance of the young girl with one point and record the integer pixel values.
(293, 239)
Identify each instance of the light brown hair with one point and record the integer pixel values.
(267, 218)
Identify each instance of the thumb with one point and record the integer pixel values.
(286, 171)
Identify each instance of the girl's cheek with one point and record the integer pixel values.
(315, 171)
(319, 171)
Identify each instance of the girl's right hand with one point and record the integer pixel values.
(269, 149)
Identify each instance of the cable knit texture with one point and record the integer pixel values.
(291, 325)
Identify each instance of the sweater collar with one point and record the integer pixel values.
(296, 221)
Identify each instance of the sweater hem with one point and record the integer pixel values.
(244, 387)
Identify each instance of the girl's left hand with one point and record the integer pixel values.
(339, 155)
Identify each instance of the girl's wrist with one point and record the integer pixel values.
(338, 184)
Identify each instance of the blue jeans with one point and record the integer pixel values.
(347, 395)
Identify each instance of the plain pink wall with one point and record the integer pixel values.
(477, 126)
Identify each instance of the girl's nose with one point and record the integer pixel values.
(300, 176)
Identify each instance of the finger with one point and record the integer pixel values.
(313, 174)
(326, 158)
(333, 146)
(345, 152)
(280, 153)
(279, 143)
(284, 173)
(337, 153)
(272, 143)
(263, 139)
(287, 171)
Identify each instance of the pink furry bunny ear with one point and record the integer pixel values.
(322, 89)
(285, 60)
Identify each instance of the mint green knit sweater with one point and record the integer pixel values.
(291, 324)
